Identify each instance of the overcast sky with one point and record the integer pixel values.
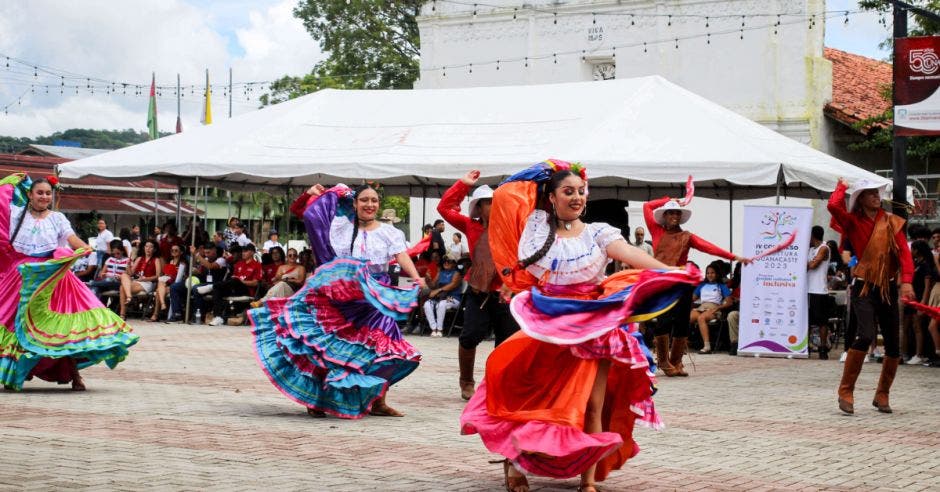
(127, 40)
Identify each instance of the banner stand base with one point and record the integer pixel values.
(758, 355)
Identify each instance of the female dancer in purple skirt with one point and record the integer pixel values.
(335, 346)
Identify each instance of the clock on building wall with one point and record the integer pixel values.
(605, 71)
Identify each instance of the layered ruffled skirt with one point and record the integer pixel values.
(531, 405)
(47, 314)
(335, 345)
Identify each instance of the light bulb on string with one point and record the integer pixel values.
(474, 11)
(527, 62)
(583, 58)
(846, 17)
(434, 6)
(669, 23)
(470, 68)
(555, 21)
(632, 21)
(708, 38)
(706, 22)
(555, 57)
(35, 72)
(497, 64)
(8, 62)
(742, 21)
(644, 47)
(614, 54)
(593, 18)
(514, 10)
(677, 43)
(742, 33)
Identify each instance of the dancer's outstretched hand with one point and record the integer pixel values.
(316, 190)
(470, 178)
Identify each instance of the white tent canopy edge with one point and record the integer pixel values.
(639, 138)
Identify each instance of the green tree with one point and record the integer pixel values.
(879, 128)
(93, 139)
(370, 44)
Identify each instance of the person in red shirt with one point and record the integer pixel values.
(671, 245)
(487, 308)
(878, 239)
(170, 239)
(244, 282)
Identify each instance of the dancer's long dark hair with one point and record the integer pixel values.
(357, 190)
(546, 205)
(26, 208)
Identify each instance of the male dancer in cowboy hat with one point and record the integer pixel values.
(486, 310)
(671, 245)
(878, 239)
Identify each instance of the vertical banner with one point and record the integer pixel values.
(774, 316)
(916, 80)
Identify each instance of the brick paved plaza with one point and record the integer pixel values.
(191, 410)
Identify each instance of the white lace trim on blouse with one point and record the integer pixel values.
(572, 260)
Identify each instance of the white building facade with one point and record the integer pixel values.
(761, 59)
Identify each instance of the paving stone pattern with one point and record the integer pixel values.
(191, 410)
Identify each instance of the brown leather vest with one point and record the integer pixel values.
(672, 246)
(880, 261)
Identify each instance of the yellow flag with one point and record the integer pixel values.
(207, 103)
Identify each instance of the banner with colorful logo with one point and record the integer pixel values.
(773, 312)
(916, 84)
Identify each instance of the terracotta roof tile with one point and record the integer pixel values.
(857, 85)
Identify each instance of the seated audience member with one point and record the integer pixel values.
(208, 268)
(244, 282)
(444, 294)
(109, 277)
(712, 295)
(218, 240)
(173, 272)
(272, 242)
(457, 249)
(169, 239)
(270, 269)
(241, 238)
(142, 275)
(85, 267)
(289, 278)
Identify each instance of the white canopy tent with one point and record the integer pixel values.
(638, 138)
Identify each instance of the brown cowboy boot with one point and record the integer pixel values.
(675, 356)
(466, 357)
(77, 383)
(661, 343)
(889, 367)
(853, 365)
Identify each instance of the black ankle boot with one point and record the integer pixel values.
(733, 349)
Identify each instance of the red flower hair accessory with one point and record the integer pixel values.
(54, 182)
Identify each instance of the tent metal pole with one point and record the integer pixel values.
(156, 210)
(730, 219)
(778, 191)
(192, 241)
(229, 194)
(179, 205)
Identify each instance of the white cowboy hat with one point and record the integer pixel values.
(861, 185)
(389, 215)
(672, 205)
(483, 192)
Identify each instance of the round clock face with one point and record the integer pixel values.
(605, 71)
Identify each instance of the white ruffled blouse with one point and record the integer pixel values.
(378, 246)
(571, 260)
(39, 236)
